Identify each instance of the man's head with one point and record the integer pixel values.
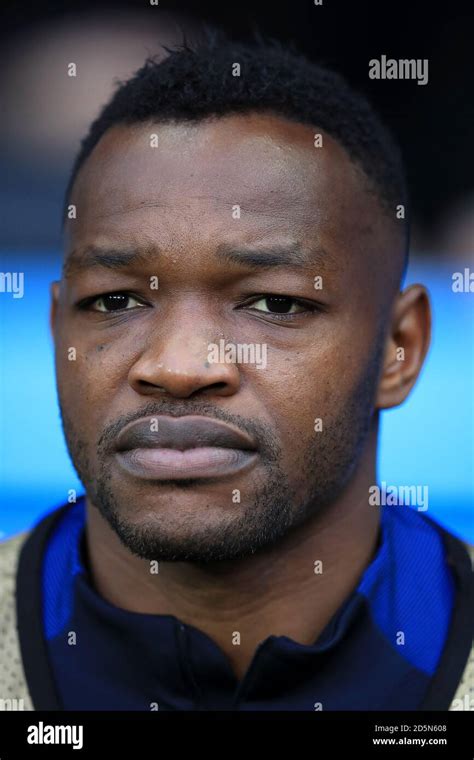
(225, 216)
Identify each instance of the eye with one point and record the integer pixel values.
(279, 305)
(114, 302)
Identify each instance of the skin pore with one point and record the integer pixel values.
(169, 212)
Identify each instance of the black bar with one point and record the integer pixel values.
(317, 735)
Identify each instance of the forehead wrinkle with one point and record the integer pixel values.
(268, 206)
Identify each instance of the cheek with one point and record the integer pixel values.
(289, 393)
(307, 393)
(99, 355)
(87, 377)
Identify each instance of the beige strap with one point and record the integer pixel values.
(464, 697)
(14, 694)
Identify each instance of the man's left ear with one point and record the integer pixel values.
(406, 346)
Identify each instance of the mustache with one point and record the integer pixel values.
(262, 433)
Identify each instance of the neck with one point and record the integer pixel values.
(266, 593)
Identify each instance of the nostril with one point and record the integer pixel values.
(146, 384)
(218, 389)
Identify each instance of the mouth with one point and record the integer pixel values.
(179, 448)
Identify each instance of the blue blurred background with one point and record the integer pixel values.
(429, 440)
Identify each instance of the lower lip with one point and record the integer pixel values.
(170, 464)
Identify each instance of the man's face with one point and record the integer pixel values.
(249, 236)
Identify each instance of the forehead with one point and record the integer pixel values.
(161, 181)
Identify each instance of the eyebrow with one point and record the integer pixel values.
(288, 256)
(109, 258)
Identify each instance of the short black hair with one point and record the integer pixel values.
(196, 81)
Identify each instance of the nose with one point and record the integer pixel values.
(179, 365)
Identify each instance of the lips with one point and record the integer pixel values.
(174, 448)
(181, 433)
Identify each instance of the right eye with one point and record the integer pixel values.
(110, 302)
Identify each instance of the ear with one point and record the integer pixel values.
(54, 305)
(406, 346)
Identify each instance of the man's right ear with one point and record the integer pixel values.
(54, 292)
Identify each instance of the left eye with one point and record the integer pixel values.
(278, 305)
(115, 302)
